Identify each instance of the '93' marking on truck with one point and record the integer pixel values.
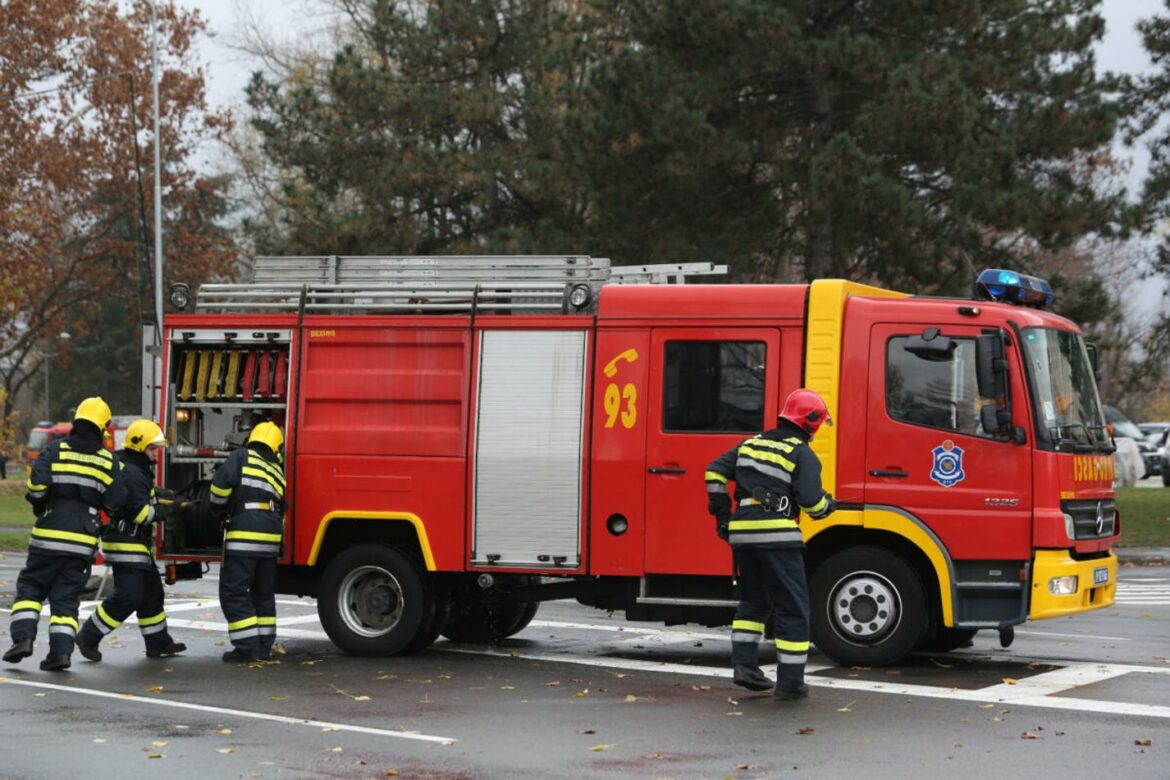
(621, 403)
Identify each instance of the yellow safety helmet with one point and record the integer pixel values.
(143, 433)
(94, 410)
(267, 433)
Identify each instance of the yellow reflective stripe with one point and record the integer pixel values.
(81, 457)
(256, 460)
(227, 491)
(264, 475)
(715, 476)
(88, 471)
(768, 457)
(26, 604)
(65, 536)
(266, 621)
(248, 621)
(150, 621)
(35, 488)
(755, 525)
(132, 547)
(254, 536)
(770, 444)
(794, 440)
(747, 625)
(792, 647)
(105, 617)
(62, 620)
(142, 514)
(818, 506)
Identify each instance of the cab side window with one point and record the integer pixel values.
(714, 386)
(933, 393)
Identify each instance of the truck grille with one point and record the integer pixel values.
(1092, 519)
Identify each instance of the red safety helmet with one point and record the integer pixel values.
(806, 409)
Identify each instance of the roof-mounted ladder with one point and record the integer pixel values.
(535, 284)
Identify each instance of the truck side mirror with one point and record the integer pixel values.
(990, 366)
(1094, 360)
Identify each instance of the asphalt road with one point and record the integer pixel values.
(580, 694)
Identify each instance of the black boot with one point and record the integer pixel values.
(171, 648)
(789, 694)
(752, 678)
(21, 649)
(55, 662)
(87, 648)
(237, 656)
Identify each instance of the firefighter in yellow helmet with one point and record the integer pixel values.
(128, 547)
(67, 488)
(249, 489)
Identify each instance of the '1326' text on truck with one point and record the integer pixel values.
(468, 437)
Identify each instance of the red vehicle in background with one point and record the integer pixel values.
(468, 437)
(41, 435)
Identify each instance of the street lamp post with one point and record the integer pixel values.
(47, 356)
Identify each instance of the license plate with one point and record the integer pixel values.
(1100, 576)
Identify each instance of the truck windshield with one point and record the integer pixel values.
(1063, 387)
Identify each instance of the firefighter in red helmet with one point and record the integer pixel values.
(777, 476)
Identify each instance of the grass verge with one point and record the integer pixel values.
(1145, 516)
(13, 540)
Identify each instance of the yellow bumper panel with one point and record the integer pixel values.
(1089, 594)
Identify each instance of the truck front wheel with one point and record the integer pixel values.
(867, 607)
(373, 600)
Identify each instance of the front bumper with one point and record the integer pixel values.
(1052, 564)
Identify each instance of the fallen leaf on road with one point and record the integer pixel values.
(1028, 735)
(335, 749)
(154, 689)
(390, 773)
(311, 663)
(552, 684)
(941, 665)
(182, 726)
(846, 708)
(160, 743)
(581, 694)
(804, 730)
(700, 687)
(330, 728)
(99, 741)
(41, 694)
(986, 706)
(225, 750)
(224, 731)
(630, 697)
(507, 687)
(385, 677)
(746, 767)
(219, 643)
(154, 755)
(277, 698)
(599, 748)
(619, 675)
(1146, 741)
(733, 714)
(1010, 681)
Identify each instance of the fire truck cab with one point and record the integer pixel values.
(467, 437)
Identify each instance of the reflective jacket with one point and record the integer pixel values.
(250, 486)
(67, 485)
(776, 477)
(127, 540)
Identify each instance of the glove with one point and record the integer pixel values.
(718, 504)
(830, 507)
(39, 505)
(723, 525)
(164, 493)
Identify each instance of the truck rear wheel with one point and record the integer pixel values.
(867, 607)
(374, 600)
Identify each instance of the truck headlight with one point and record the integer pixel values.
(1063, 586)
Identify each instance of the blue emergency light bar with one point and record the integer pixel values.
(995, 284)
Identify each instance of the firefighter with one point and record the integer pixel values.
(67, 485)
(249, 489)
(776, 477)
(127, 546)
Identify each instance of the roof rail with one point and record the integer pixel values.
(546, 284)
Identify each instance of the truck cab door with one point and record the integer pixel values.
(710, 388)
(926, 452)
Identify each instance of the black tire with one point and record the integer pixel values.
(374, 600)
(868, 607)
(944, 640)
(1165, 477)
(487, 623)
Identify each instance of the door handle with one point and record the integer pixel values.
(888, 473)
(666, 470)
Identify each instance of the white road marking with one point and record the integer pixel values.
(136, 699)
(1027, 696)
(1029, 632)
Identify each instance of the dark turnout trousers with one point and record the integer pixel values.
(136, 590)
(247, 595)
(772, 586)
(60, 579)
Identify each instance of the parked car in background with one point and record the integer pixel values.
(1124, 428)
(1155, 432)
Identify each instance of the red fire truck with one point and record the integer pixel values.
(468, 437)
